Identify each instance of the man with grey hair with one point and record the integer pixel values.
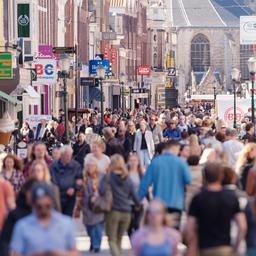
(67, 175)
(232, 146)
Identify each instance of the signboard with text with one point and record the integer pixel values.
(6, 71)
(46, 70)
(247, 30)
(94, 64)
(23, 20)
(144, 70)
(34, 120)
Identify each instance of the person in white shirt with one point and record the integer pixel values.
(232, 147)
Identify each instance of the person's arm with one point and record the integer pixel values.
(250, 184)
(135, 143)
(146, 181)
(191, 236)
(242, 228)
(10, 196)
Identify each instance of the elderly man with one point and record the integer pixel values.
(155, 129)
(44, 232)
(67, 175)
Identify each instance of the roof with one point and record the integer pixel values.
(208, 13)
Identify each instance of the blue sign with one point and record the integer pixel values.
(94, 64)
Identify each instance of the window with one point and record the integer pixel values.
(200, 53)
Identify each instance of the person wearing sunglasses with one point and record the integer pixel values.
(45, 231)
(155, 238)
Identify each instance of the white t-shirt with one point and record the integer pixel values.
(232, 148)
(102, 163)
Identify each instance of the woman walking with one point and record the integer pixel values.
(119, 218)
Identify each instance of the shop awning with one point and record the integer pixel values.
(32, 92)
(8, 98)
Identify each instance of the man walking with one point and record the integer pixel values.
(67, 175)
(44, 232)
(169, 175)
(210, 215)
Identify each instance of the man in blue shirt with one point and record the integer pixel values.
(44, 232)
(169, 175)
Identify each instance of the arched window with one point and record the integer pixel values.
(200, 53)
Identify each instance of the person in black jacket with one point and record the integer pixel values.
(80, 149)
(22, 210)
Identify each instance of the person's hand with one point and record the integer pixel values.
(93, 199)
(70, 191)
(79, 182)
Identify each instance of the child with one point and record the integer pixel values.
(92, 221)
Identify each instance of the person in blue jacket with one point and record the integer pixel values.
(169, 175)
(172, 132)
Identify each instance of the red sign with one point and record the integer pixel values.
(229, 114)
(106, 51)
(144, 70)
(113, 55)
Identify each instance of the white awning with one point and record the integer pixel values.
(32, 92)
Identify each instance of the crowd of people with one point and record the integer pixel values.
(165, 178)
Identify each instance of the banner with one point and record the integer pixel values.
(46, 52)
(6, 71)
(34, 120)
(23, 20)
(46, 70)
(225, 110)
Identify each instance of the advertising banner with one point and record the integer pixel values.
(248, 30)
(6, 71)
(46, 52)
(46, 70)
(225, 110)
(23, 20)
(94, 64)
(34, 120)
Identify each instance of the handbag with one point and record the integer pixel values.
(103, 202)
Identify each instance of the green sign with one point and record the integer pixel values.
(6, 65)
(23, 20)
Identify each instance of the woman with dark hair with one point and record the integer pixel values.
(26, 134)
(12, 172)
(155, 238)
(22, 210)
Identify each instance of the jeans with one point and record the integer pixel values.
(144, 159)
(117, 224)
(95, 233)
(251, 251)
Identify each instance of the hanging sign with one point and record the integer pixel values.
(23, 20)
(6, 71)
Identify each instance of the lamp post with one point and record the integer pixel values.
(101, 72)
(122, 81)
(64, 64)
(235, 75)
(214, 95)
(252, 70)
(130, 98)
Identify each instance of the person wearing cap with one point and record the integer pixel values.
(45, 231)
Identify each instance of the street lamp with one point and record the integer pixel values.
(252, 70)
(64, 64)
(235, 75)
(101, 72)
(214, 95)
(122, 81)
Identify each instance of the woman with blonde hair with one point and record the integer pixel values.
(245, 162)
(119, 218)
(39, 171)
